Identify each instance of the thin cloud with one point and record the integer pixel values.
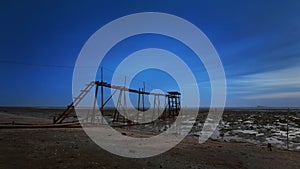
(282, 95)
(283, 83)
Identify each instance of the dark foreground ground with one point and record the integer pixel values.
(71, 148)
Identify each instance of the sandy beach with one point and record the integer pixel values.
(72, 148)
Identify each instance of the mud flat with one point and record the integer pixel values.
(72, 148)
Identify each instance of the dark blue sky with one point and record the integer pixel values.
(258, 44)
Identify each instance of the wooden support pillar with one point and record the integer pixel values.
(124, 103)
(116, 114)
(138, 108)
(143, 100)
(94, 105)
(102, 96)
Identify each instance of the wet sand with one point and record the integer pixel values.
(72, 148)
